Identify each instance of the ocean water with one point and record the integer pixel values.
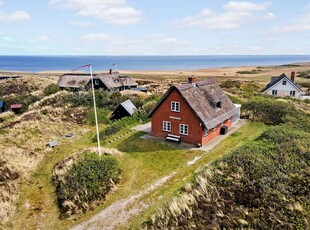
(46, 63)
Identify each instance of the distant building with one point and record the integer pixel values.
(16, 108)
(2, 106)
(283, 86)
(194, 113)
(126, 108)
(111, 81)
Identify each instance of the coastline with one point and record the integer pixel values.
(260, 74)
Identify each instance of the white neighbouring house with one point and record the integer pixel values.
(283, 86)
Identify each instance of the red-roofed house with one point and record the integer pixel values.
(194, 113)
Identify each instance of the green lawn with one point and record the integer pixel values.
(143, 162)
(249, 132)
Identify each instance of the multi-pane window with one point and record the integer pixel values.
(166, 126)
(283, 82)
(175, 106)
(292, 93)
(183, 129)
(274, 92)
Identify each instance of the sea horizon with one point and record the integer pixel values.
(39, 63)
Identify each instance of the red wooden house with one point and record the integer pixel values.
(194, 113)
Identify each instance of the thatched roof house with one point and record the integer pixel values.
(111, 81)
(193, 112)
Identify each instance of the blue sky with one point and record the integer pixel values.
(157, 27)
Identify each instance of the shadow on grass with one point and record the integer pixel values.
(135, 143)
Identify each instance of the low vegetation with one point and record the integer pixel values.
(88, 180)
(275, 112)
(254, 71)
(304, 74)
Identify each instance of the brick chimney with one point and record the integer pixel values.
(192, 80)
(110, 71)
(293, 76)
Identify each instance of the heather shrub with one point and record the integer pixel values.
(88, 180)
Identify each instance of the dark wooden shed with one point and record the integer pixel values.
(126, 108)
(2, 106)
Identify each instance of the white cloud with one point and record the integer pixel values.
(97, 37)
(43, 38)
(111, 11)
(156, 43)
(236, 14)
(246, 6)
(15, 16)
(300, 24)
(81, 24)
(164, 41)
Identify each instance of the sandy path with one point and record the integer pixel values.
(116, 214)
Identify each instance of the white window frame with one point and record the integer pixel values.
(96, 82)
(166, 126)
(292, 93)
(175, 106)
(206, 132)
(284, 82)
(183, 129)
(274, 92)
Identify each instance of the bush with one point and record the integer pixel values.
(104, 99)
(230, 84)
(101, 116)
(89, 179)
(268, 110)
(51, 89)
(118, 125)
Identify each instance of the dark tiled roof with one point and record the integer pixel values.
(275, 80)
(201, 98)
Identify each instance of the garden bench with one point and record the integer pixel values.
(175, 138)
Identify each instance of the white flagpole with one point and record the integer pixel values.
(94, 99)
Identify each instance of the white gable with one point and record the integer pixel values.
(289, 86)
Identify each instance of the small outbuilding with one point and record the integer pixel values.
(52, 144)
(2, 106)
(126, 108)
(16, 108)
